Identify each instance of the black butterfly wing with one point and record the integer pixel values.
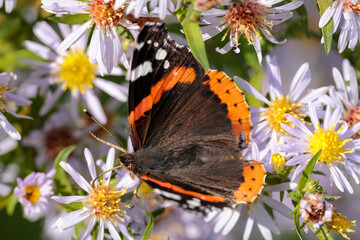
(186, 124)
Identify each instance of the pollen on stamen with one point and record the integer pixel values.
(104, 15)
(246, 18)
(75, 71)
(330, 143)
(277, 111)
(106, 203)
(348, 5)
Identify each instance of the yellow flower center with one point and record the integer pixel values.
(278, 160)
(32, 193)
(106, 202)
(104, 15)
(331, 145)
(339, 224)
(277, 110)
(347, 6)
(245, 18)
(76, 72)
(352, 116)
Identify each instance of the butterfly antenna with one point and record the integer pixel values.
(97, 177)
(107, 131)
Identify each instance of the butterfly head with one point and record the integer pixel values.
(129, 161)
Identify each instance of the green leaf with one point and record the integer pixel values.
(297, 225)
(332, 198)
(305, 176)
(71, 19)
(61, 179)
(327, 30)
(193, 35)
(11, 204)
(149, 226)
(255, 81)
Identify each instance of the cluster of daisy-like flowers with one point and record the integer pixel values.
(75, 60)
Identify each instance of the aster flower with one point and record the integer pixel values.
(267, 120)
(71, 70)
(34, 192)
(105, 44)
(7, 97)
(161, 7)
(346, 94)
(246, 18)
(333, 137)
(103, 202)
(256, 212)
(345, 12)
(315, 209)
(9, 5)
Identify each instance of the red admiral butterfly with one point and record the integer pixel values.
(188, 127)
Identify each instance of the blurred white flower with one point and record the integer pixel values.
(34, 193)
(105, 45)
(72, 70)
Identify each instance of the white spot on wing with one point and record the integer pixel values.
(141, 70)
(168, 194)
(138, 46)
(160, 54)
(156, 44)
(148, 41)
(166, 64)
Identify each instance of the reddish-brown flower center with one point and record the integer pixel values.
(246, 18)
(104, 15)
(56, 140)
(348, 5)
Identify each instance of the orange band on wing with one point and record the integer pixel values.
(208, 198)
(228, 92)
(254, 179)
(177, 75)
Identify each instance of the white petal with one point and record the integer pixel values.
(69, 199)
(116, 91)
(90, 162)
(275, 87)
(89, 229)
(76, 176)
(71, 219)
(109, 165)
(73, 37)
(94, 105)
(250, 89)
(114, 234)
